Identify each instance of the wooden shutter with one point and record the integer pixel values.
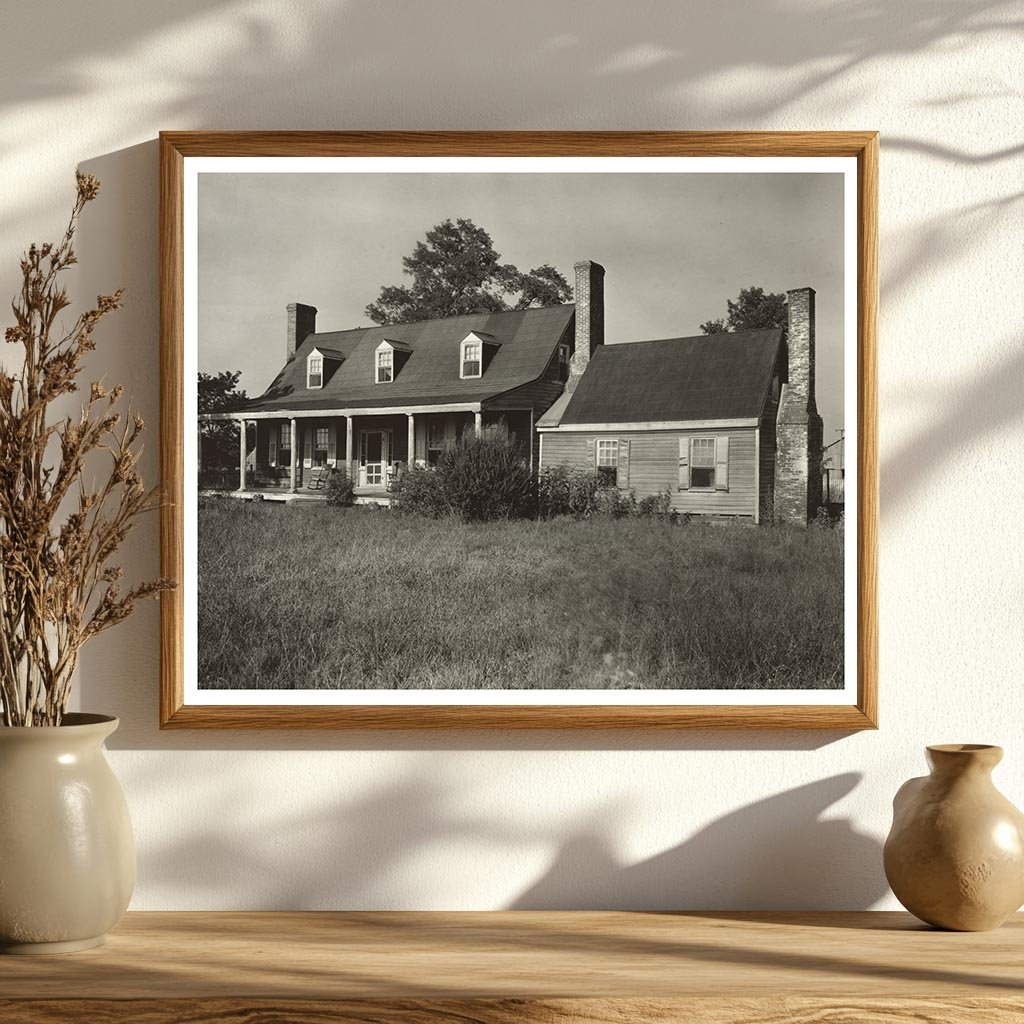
(622, 471)
(307, 450)
(273, 451)
(332, 444)
(721, 463)
(592, 455)
(684, 463)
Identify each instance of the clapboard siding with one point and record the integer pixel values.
(568, 450)
(654, 463)
(654, 466)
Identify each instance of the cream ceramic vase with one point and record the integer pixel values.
(67, 858)
(955, 854)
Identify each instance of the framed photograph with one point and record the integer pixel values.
(519, 430)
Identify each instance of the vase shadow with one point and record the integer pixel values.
(780, 853)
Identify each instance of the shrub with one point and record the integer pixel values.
(418, 491)
(566, 492)
(824, 520)
(658, 506)
(486, 478)
(610, 501)
(480, 479)
(341, 491)
(574, 492)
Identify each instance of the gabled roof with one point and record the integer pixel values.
(431, 372)
(708, 377)
(329, 353)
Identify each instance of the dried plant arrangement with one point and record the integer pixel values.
(58, 534)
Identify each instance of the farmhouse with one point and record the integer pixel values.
(726, 424)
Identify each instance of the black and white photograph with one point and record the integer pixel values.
(575, 434)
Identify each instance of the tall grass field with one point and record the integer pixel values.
(308, 596)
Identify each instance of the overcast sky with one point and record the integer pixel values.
(675, 248)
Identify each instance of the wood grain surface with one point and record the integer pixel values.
(526, 955)
(175, 147)
(714, 1010)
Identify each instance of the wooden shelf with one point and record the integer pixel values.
(506, 968)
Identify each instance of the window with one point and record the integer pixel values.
(563, 361)
(284, 454)
(315, 372)
(702, 463)
(775, 388)
(385, 366)
(608, 462)
(471, 359)
(320, 439)
(435, 440)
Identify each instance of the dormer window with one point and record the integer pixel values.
(315, 371)
(321, 364)
(470, 359)
(476, 351)
(388, 359)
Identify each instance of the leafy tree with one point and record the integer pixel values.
(456, 270)
(219, 392)
(754, 309)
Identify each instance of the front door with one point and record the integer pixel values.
(374, 453)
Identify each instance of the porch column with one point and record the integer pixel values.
(241, 455)
(478, 422)
(411, 460)
(348, 449)
(294, 448)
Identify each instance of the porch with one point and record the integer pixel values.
(283, 454)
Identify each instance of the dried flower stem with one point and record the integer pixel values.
(58, 586)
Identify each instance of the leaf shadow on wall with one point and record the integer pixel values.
(356, 64)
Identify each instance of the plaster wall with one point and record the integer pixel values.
(380, 821)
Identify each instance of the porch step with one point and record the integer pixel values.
(256, 495)
(381, 498)
(376, 498)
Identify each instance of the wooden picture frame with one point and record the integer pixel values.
(177, 147)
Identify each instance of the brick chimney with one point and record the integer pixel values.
(799, 430)
(301, 322)
(589, 318)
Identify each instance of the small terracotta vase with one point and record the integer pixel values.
(67, 858)
(955, 854)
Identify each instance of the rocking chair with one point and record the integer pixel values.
(318, 478)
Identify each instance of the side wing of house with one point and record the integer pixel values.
(707, 470)
(684, 416)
